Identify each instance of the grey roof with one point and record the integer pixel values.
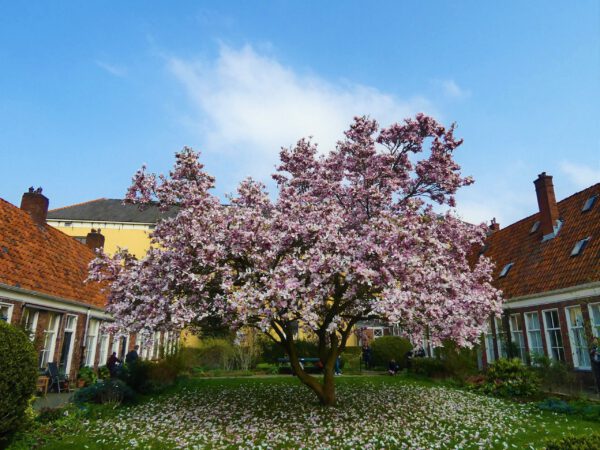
(110, 210)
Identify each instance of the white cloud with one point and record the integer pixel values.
(251, 103)
(582, 176)
(451, 89)
(117, 71)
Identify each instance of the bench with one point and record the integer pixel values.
(310, 365)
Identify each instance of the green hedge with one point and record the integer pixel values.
(18, 375)
(510, 378)
(387, 348)
(585, 442)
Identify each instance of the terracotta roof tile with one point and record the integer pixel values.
(546, 266)
(43, 259)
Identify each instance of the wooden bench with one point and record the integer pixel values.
(310, 365)
(42, 384)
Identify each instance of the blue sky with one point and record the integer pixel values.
(91, 90)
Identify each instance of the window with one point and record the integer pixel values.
(90, 342)
(377, 333)
(156, 345)
(80, 239)
(66, 353)
(47, 352)
(581, 357)
(29, 321)
(534, 333)
(535, 227)
(505, 270)
(490, 356)
(595, 319)
(579, 246)
(6, 311)
(589, 203)
(554, 340)
(516, 335)
(500, 337)
(103, 356)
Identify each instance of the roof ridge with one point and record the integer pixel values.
(79, 204)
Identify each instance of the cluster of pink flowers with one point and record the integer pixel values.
(350, 234)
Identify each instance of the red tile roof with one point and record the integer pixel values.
(546, 266)
(43, 259)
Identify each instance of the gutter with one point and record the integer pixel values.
(555, 296)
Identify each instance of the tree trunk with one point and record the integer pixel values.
(325, 391)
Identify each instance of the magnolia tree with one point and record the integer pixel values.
(351, 234)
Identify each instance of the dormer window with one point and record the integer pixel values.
(505, 270)
(580, 246)
(535, 227)
(589, 203)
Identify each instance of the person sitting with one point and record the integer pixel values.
(393, 367)
(112, 364)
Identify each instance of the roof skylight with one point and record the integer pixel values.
(580, 246)
(535, 227)
(505, 270)
(589, 203)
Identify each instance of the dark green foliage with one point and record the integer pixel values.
(148, 377)
(103, 373)
(458, 362)
(213, 353)
(108, 391)
(553, 374)
(88, 375)
(137, 375)
(387, 348)
(585, 442)
(510, 378)
(18, 375)
(584, 409)
(428, 367)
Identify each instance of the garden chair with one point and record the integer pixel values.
(56, 378)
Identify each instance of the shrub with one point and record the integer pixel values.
(458, 362)
(556, 405)
(137, 376)
(103, 373)
(584, 409)
(113, 392)
(387, 348)
(88, 375)
(510, 378)
(213, 353)
(553, 374)
(272, 351)
(427, 367)
(571, 442)
(17, 377)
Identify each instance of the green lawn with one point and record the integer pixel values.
(373, 412)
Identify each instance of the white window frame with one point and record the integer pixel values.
(488, 341)
(595, 324)
(103, 347)
(531, 332)
(31, 326)
(516, 331)
(578, 332)
(500, 334)
(91, 342)
(547, 334)
(9, 307)
(72, 346)
(378, 329)
(49, 346)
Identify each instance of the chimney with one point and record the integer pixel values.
(544, 190)
(36, 205)
(94, 239)
(494, 226)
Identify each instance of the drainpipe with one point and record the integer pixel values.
(85, 333)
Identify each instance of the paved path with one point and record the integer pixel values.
(52, 400)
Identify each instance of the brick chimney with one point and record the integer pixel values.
(494, 226)
(94, 239)
(544, 190)
(36, 205)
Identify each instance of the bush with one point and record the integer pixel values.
(213, 353)
(387, 348)
(109, 391)
(584, 409)
(103, 373)
(88, 375)
(458, 362)
(510, 378)
(428, 367)
(571, 442)
(137, 376)
(17, 377)
(553, 374)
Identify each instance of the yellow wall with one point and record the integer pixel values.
(137, 241)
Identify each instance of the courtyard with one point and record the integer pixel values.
(277, 412)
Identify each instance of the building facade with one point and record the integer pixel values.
(43, 290)
(548, 268)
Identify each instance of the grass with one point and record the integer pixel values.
(277, 412)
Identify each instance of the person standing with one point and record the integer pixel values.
(595, 360)
(132, 356)
(112, 364)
